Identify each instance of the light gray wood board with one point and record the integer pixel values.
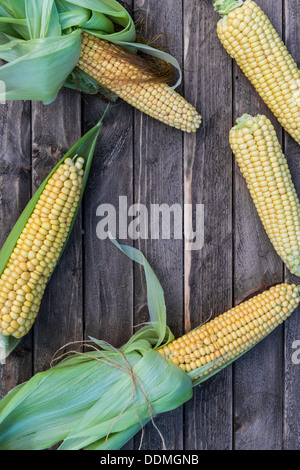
(208, 181)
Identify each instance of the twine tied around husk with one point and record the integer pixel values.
(126, 367)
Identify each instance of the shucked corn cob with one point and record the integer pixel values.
(38, 248)
(249, 37)
(109, 65)
(259, 155)
(224, 338)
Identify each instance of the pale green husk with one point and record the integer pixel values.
(85, 147)
(41, 41)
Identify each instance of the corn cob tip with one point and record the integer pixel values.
(246, 120)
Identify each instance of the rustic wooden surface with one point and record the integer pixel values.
(96, 291)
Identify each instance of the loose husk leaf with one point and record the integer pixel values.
(41, 41)
(84, 147)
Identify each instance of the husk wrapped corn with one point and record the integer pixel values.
(58, 43)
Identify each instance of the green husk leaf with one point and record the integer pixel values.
(41, 43)
(84, 147)
(42, 19)
(7, 345)
(79, 402)
(37, 70)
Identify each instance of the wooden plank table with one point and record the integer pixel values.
(97, 291)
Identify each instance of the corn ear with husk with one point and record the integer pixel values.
(98, 398)
(58, 43)
(34, 246)
(249, 37)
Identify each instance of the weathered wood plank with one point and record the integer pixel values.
(291, 430)
(208, 181)
(15, 184)
(55, 128)
(257, 376)
(158, 180)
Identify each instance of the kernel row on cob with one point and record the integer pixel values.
(261, 160)
(35, 244)
(249, 37)
(110, 65)
(222, 340)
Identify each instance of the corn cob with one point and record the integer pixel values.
(249, 37)
(226, 337)
(38, 248)
(109, 65)
(259, 155)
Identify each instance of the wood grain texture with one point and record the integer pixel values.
(108, 274)
(15, 184)
(55, 129)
